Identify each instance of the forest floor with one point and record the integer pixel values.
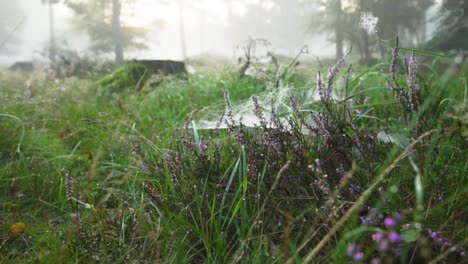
(363, 164)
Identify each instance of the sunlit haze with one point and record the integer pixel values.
(208, 28)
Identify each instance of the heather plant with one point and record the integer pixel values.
(342, 151)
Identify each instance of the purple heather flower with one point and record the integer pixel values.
(353, 188)
(412, 69)
(397, 251)
(371, 218)
(389, 222)
(383, 245)
(358, 256)
(202, 146)
(388, 85)
(441, 196)
(377, 237)
(393, 66)
(317, 162)
(366, 220)
(395, 237)
(69, 185)
(354, 251)
(352, 248)
(398, 217)
(320, 85)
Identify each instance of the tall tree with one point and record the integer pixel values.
(117, 31)
(102, 21)
(339, 38)
(340, 26)
(264, 19)
(52, 45)
(183, 47)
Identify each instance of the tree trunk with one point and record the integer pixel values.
(183, 46)
(51, 34)
(117, 32)
(339, 30)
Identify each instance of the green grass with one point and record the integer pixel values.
(144, 190)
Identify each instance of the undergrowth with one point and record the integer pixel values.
(374, 171)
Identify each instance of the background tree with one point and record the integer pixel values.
(452, 32)
(183, 48)
(402, 18)
(264, 19)
(52, 44)
(117, 31)
(340, 26)
(11, 21)
(102, 21)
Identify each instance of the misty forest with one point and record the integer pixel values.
(233, 131)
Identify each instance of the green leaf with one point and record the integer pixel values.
(409, 235)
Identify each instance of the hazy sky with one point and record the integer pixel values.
(205, 23)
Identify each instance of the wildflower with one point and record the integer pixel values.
(371, 218)
(389, 222)
(388, 85)
(358, 256)
(441, 196)
(332, 72)
(377, 237)
(354, 251)
(258, 112)
(383, 245)
(320, 85)
(365, 220)
(317, 162)
(398, 217)
(445, 243)
(202, 146)
(354, 188)
(395, 238)
(69, 185)
(393, 66)
(412, 69)
(17, 228)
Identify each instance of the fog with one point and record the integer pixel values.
(209, 26)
